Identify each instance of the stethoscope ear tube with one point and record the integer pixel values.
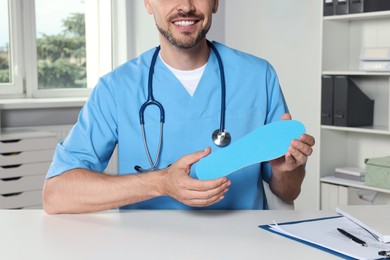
(151, 100)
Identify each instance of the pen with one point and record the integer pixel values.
(384, 253)
(355, 239)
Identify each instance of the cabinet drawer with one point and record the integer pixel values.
(21, 199)
(27, 169)
(32, 144)
(367, 197)
(333, 195)
(20, 184)
(39, 206)
(26, 157)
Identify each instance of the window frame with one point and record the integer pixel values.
(14, 88)
(23, 45)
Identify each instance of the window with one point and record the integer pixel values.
(10, 59)
(5, 66)
(61, 45)
(65, 46)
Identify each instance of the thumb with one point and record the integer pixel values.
(286, 116)
(190, 159)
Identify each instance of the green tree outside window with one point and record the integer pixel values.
(62, 57)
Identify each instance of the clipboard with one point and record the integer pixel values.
(333, 252)
(267, 227)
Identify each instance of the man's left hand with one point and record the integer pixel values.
(297, 153)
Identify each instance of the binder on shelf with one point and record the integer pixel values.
(329, 7)
(351, 106)
(355, 6)
(327, 100)
(341, 6)
(364, 6)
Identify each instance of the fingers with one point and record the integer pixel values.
(296, 157)
(207, 197)
(190, 159)
(199, 185)
(301, 149)
(205, 203)
(308, 139)
(193, 192)
(299, 146)
(286, 116)
(199, 193)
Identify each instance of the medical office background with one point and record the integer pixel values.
(290, 34)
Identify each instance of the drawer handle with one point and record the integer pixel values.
(12, 194)
(11, 154)
(10, 141)
(11, 179)
(11, 166)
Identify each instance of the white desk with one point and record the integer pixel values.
(31, 234)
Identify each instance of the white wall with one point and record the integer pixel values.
(288, 34)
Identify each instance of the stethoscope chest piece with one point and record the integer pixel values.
(221, 139)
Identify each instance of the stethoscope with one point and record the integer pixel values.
(220, 136)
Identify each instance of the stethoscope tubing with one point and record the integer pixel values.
(151, 100)
(218, 136)
(223, 87)
(152, 164)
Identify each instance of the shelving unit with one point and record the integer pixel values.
(343, 38)
(353, 184)
(25, 156)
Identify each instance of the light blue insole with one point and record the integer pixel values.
(263, 144)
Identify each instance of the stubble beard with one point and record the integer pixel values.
(186, 42)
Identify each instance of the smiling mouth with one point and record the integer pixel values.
(184, 23)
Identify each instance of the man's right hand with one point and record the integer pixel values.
(178, 184)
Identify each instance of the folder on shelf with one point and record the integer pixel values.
(341, 6)
(327, 100)
(363, 6)
(376, 5)
(373, 218)
(351, 106)
(329, 7)
(355, 6)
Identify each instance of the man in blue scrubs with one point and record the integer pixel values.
(187, 83)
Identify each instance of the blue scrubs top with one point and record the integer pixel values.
(111, 117)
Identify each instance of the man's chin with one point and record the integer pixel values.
(186, 42)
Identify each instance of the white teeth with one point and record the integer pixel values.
(184, 23)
